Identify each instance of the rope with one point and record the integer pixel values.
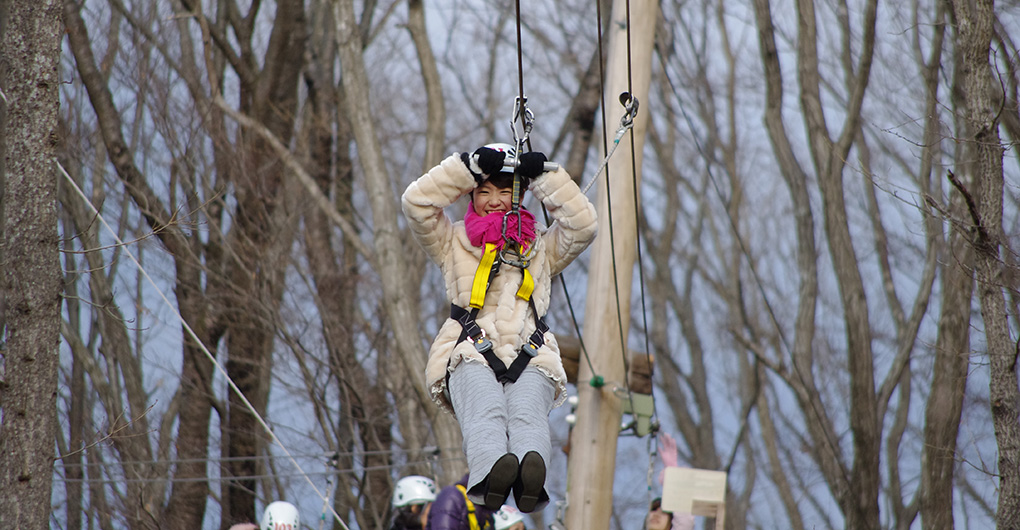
(330, 472)
(520, 111)
(626, 123)
(605, 147)
(198, 341)
(570, 307)
(573, 318)
(520, 64)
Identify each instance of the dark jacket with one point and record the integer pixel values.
(450, 512)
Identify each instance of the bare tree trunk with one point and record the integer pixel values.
(125, 403)
(974, 22)
(952, 346)
(860, 501)
(261, 240)
(435, 120)
(31, 280)
(399, 298)
(364, 407)
(801, 377)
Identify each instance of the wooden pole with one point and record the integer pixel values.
(592, 462)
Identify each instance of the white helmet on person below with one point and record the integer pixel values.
(511, 155)
(506, 517)
(414, 489)
(280, 515)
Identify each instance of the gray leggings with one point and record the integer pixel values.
(496, 419)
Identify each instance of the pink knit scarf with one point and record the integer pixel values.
(489, 229)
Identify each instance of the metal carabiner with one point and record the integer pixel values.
(523, 113)
(513, 211)
(515, 260)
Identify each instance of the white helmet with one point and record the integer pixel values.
(511, 155)
(280, 515)
(506, 517)
(414, 489)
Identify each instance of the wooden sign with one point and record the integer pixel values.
(699, 492)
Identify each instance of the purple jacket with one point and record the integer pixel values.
(449, 511)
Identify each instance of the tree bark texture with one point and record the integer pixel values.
(974, 21)
(29, 262)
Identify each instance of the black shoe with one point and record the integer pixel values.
(529, 490)
(501, 478)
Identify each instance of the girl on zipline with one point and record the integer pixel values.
(494, 363)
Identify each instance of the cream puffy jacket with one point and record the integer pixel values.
(506, 318)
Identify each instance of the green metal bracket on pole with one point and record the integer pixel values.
(642, 407)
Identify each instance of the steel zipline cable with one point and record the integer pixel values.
(308, 456)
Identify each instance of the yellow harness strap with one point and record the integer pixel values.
(527, 285)
(481, 282)
(472, 518)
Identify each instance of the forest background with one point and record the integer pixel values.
(828, 266)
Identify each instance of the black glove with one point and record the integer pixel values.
(490, 161)
(532, 164)
(484, 163)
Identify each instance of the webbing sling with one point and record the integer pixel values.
(472, 518)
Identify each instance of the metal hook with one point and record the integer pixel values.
(630, 105)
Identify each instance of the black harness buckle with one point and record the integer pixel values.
(482, 343)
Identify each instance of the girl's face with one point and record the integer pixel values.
(487, 199)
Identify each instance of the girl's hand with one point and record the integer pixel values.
(484, 163)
